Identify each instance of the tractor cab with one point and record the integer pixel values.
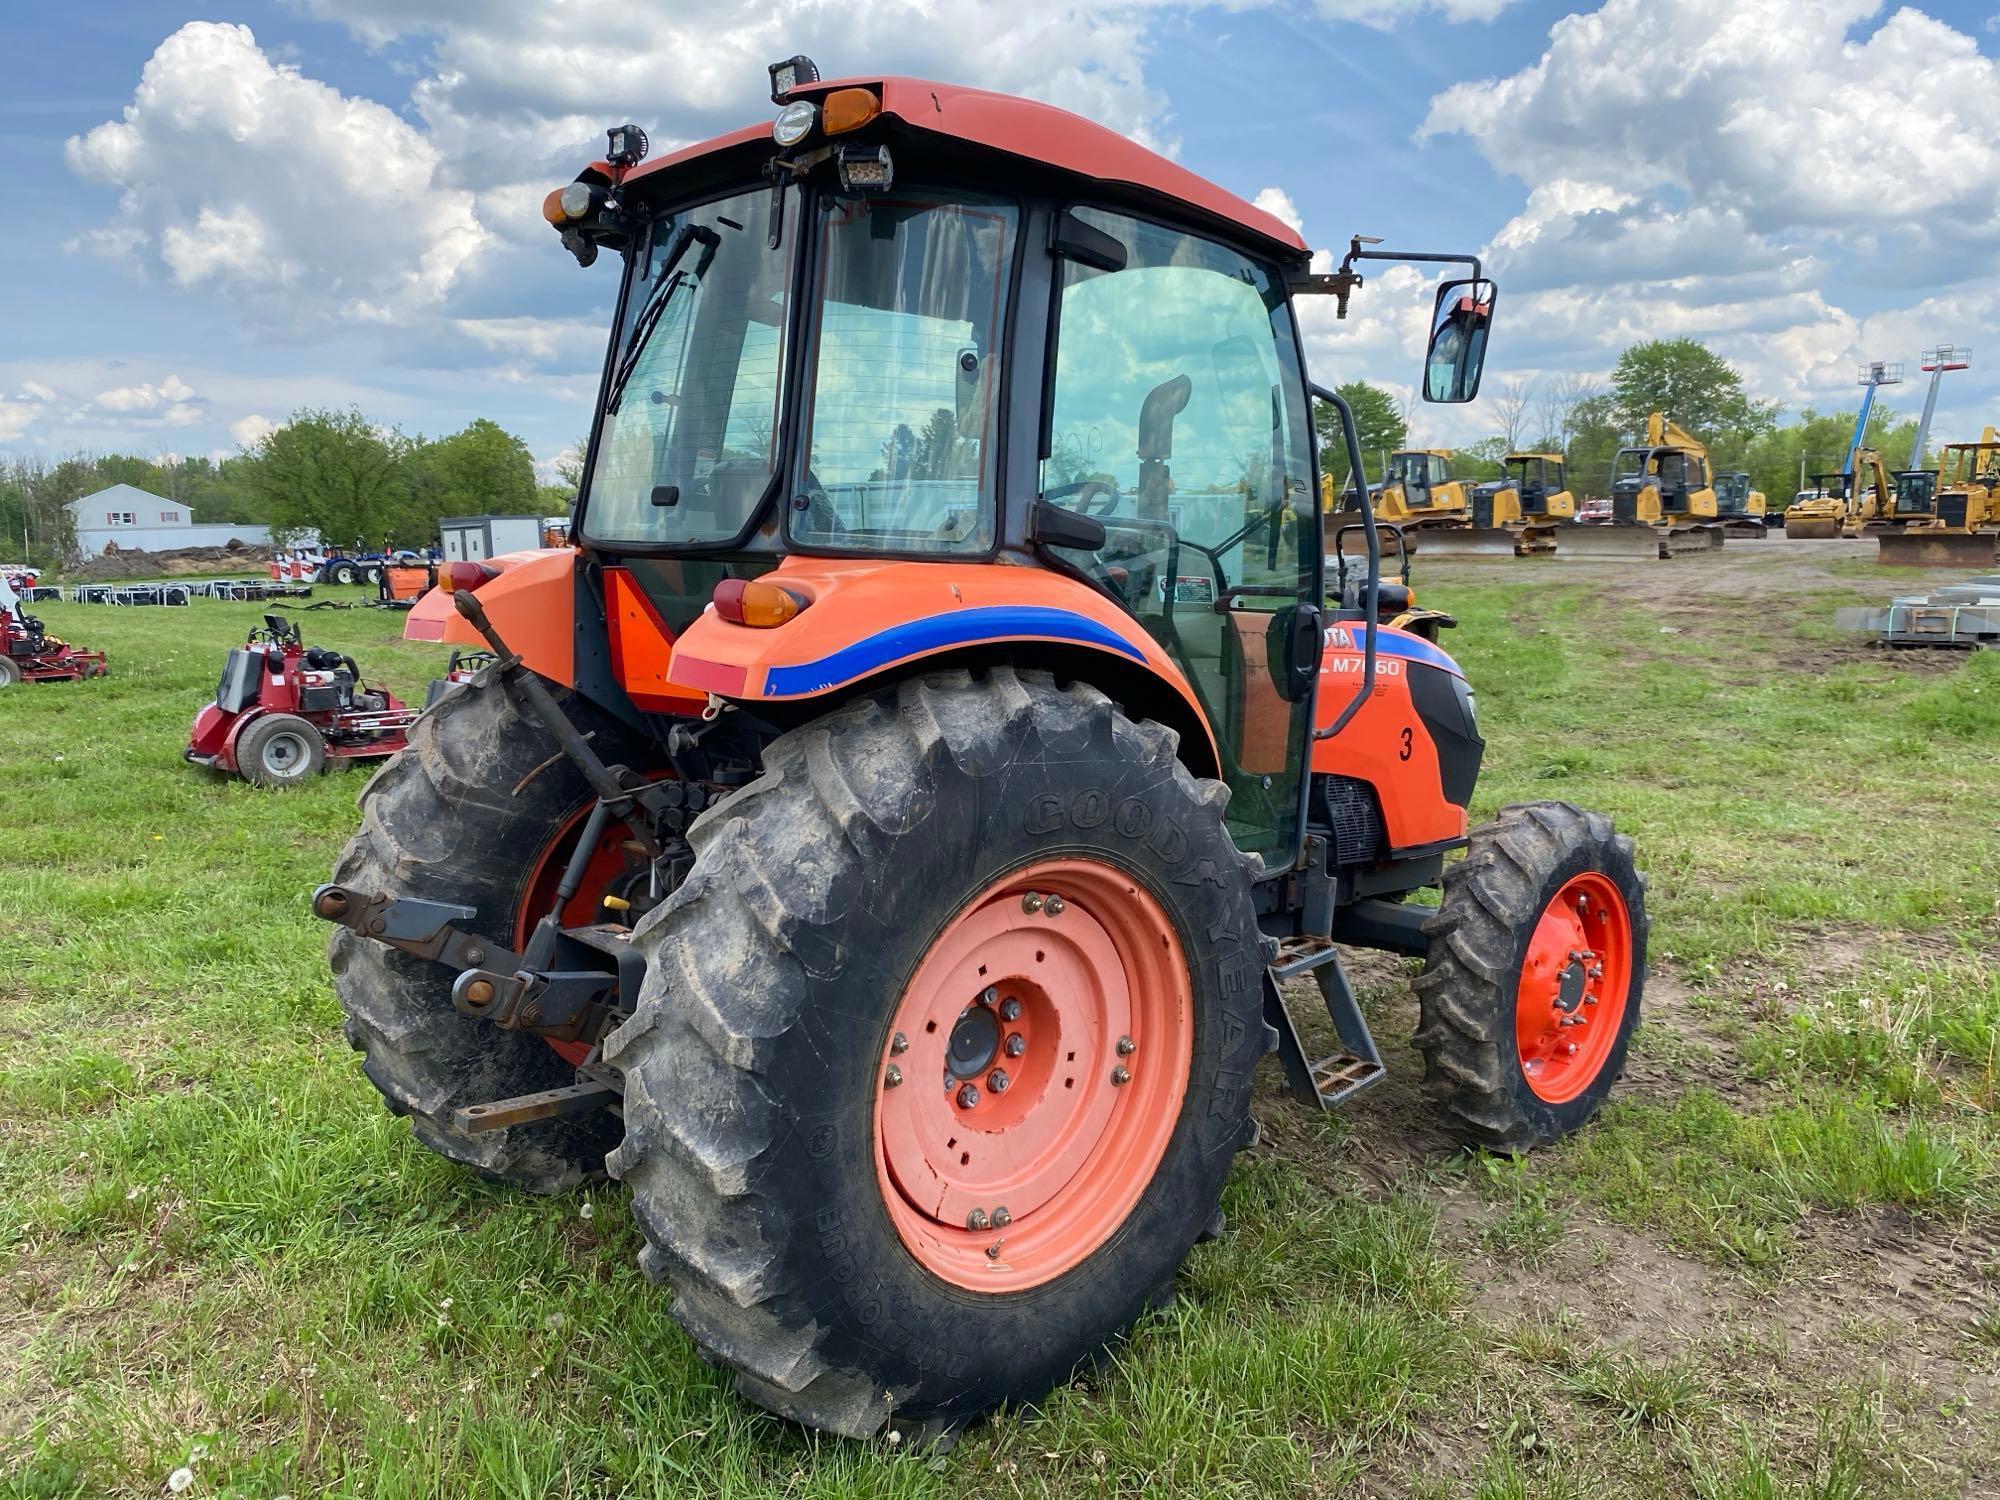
(1916, 494)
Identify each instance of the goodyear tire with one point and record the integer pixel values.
(280, 750)
(464, 815)
(867, 931)
(1530, 995)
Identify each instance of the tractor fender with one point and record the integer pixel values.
(532, 605)
(868, 621)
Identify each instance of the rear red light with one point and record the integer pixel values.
(470, 576)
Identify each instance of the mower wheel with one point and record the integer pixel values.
(943, 1052)
(468, 815)
(1528, 1000)
(10, 672)
(280, 750)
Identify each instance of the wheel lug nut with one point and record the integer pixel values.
(1597, 971)
(1016, 1045)
(968, 1096)
(1126, 1046)
(1001, 1218)
(1120, 1076)
(997, 1080)
(976, 1219)
(993, 1250)
(988, 995)
(1054, 906)
(1010, 1009)
(898, 1045)
(1032, 902)
(893, 1078)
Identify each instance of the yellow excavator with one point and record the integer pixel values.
(1738, 507)
(1522, 512)
(1845, 505)
(1963, 527)
(1662, 501)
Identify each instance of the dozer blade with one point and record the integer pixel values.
(1465, 541)
(1811, 530)
(1936, 549)
(1613, 543)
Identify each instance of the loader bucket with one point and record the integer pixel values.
(1936, 549)
(1808, 529)
(1465, 541)
(1609, 543)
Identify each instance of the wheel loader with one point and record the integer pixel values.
(1962, 525)
(1662, 501)
(885, 836)
(1529, 506)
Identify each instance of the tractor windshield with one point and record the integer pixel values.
(690, 438)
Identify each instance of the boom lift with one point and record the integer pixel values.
(1662, 500)
(884, 837)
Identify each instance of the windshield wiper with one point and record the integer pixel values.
(656, 304)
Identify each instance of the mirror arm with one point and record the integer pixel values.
(1341, 284)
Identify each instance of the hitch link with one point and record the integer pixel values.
(422, 929)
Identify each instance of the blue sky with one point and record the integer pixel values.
(278, 203)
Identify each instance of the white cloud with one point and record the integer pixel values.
(1276, 202)
(16, 417)
(1384, 13)
(242, 174)
(251, 430)
(34, 390)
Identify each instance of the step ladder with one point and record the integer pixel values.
(1336, 1078)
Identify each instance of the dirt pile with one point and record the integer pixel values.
(112, 566)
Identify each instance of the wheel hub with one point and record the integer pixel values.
(1570, 999)
(974, 1042)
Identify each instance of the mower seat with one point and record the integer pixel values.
(1391, 598)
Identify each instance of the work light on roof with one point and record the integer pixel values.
(789, 74)
(626, 145)
(865, 169)
(795, 122)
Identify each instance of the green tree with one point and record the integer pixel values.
(1688, 382)
(481, 470)
(1378, 423)
(335, 473)
(1595, 437)
(1480, 461)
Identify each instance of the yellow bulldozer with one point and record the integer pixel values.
(1434, 510)
(1962, 528)
(1662, 501)
(1846, 504)
(1522, 511)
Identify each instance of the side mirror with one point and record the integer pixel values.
(1457, 354)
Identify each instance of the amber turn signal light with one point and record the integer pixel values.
(753, 602)
(848, 109)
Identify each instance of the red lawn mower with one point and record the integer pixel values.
(33, 655)
(284, 709)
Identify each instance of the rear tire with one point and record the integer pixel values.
(1521, 1043)
(465, 815)
(759, 1058)
(343, 573)
(10, 672)
(280, 750)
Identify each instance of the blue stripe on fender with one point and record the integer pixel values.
(1410, 648)
(961, 627)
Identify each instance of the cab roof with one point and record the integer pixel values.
(1028, 129)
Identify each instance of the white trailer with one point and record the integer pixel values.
(475, 538)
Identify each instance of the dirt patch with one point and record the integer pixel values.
(113, 566)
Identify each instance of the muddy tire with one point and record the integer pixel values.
(462, 815)
(279, 750)
(1537, 964)
(766, 1057)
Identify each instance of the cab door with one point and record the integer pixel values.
(1178, 419)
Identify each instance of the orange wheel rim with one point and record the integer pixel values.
(1032, 1075)
(1574, 983)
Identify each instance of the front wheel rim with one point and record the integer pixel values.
(286, 755)
(1575, 981)
(1069, 979)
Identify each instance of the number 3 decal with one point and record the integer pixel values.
(1404, 753)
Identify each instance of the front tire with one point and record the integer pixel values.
(10, 672)
(1531, 993)
(471, 813)
(896, 857)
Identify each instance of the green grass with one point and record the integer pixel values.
(216, 1249)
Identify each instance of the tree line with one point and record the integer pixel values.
(333, 472)
(1587, 423)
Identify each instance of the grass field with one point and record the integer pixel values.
(1770, 1268)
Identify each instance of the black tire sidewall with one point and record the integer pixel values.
(1615, 863)
(949, 1350)
(10, 672)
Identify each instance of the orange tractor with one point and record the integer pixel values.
(884, 837)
